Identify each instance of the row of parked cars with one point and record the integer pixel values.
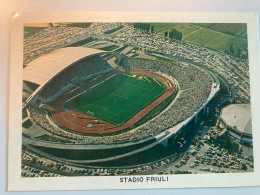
(28, 171)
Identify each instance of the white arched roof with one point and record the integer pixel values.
(46, 67)
(238, 116)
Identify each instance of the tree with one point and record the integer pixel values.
(175, 34)
(170, 34)
(244, 167)
(228, 144)
(152, 29)
(238, 52)
(231, 49)
(142, 26)
(166, 33)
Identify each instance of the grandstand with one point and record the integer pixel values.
(171, 116)
(194, 91)
(79, 69)
(57, 65)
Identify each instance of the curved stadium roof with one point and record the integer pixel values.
(238, 117)
(47, 66)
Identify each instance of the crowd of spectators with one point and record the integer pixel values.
(195, 86)
(83, 70)
(187, 52)
(40, 117)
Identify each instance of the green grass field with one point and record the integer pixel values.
(114, 30)
(81, 42)
(27, 124)
(216, 40)
(30, 31)
(118, 98)
(109, 48)
(216, 36)
(237, 29)
(80, 25)
(52, 139)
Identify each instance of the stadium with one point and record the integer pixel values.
(91, 111)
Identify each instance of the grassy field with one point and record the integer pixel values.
(216, 40)
(237, 29)
(98, 43)
(205, 25)
(82, 42)
(24, 114)
(30, 31)
(80, 25)
(214, 36)
(169, 61)
(156, 110)
(182, 27)
(117, 99)
(114, 30)
(162, 27)
(52, 139)
(27, 124)
(110, 48)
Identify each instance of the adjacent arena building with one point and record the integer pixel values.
(236, 118)
(55, 83)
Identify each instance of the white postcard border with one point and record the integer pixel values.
(17, 183)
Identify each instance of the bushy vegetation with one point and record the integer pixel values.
(174, 34)
(225, 142)
(144, 26)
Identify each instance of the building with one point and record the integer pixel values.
(236, 118)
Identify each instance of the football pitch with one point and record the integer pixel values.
(118, 98)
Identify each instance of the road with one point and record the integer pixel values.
(230, 66)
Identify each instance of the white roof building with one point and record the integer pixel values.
(237, 118)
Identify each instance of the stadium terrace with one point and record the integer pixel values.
(76, 70)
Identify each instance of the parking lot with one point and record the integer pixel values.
(202, 157)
